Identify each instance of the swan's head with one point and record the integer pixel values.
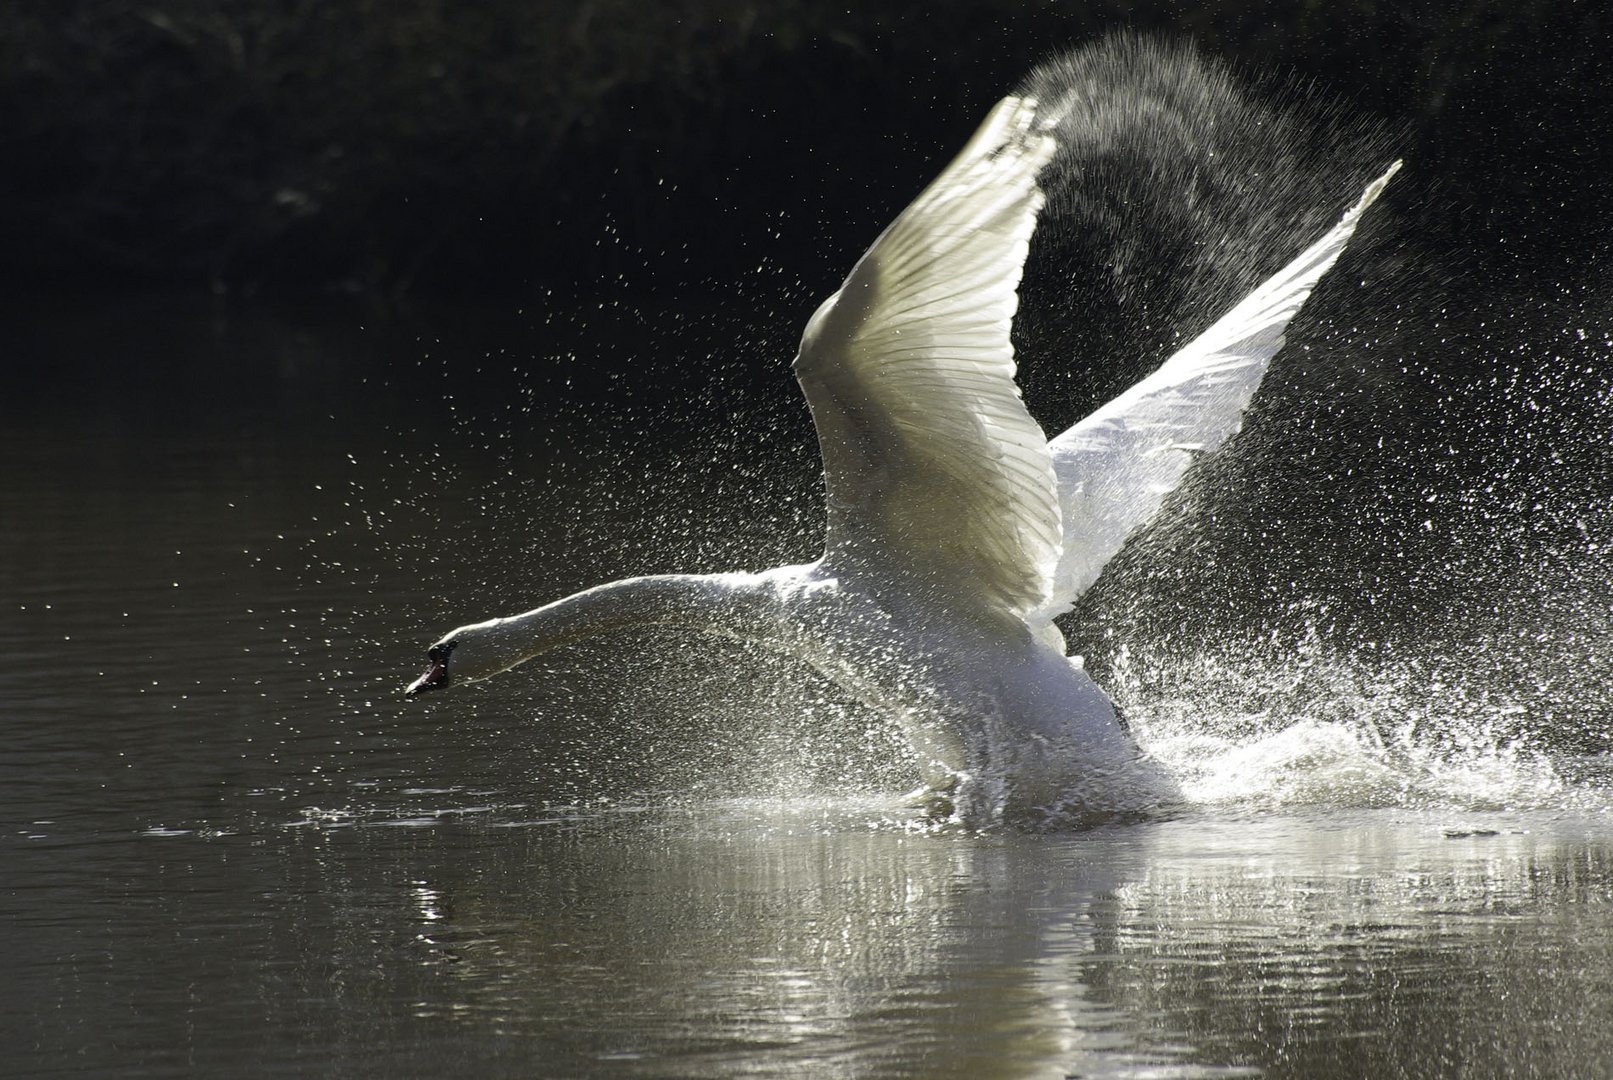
(468, 654)
(436, 675)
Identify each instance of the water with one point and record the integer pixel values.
(798, 940)
(230, 848)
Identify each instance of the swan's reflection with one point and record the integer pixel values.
(1285, 947)
(704, 947)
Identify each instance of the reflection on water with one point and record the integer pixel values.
(825, 940)
(230, 849)
(1348, 947)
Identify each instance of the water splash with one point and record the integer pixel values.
(1389, 591)
(1296, 725)
(1391, 588)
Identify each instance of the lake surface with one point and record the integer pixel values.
(230, 848)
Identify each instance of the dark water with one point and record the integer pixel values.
(231, 849)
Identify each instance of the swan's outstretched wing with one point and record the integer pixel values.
(1115, 467)
(932, 465)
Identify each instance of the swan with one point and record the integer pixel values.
(956, 530)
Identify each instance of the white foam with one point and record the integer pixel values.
(1312, 730)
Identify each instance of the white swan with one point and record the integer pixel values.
(956, 531)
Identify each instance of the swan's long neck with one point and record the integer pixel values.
(717, 603)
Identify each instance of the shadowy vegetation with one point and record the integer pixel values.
(380, 146)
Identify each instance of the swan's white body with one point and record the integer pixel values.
(956, 532)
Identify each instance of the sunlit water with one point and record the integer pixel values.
(231, 849)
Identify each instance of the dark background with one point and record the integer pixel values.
(397, 147)
(592, 231)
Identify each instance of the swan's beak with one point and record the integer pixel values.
(436, 676)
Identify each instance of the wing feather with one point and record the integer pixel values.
(932, 464)
(1115, 467)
